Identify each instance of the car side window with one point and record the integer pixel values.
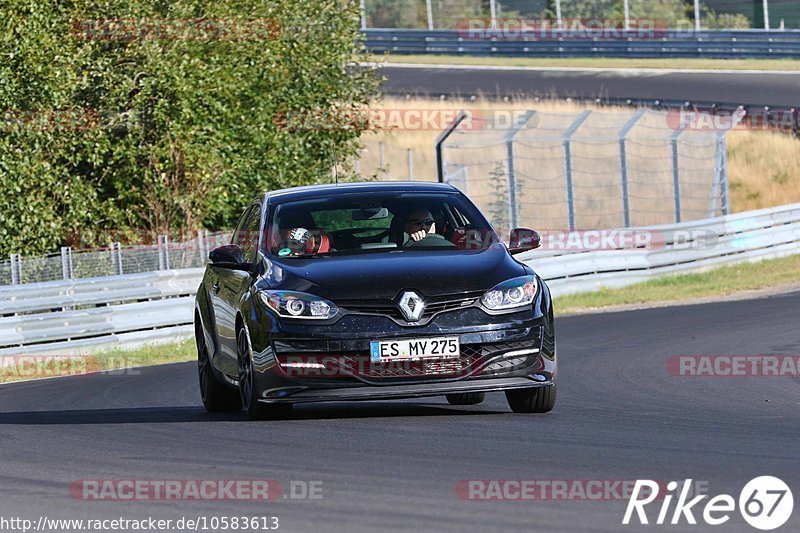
(246, 234)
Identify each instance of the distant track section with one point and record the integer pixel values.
(750, 88)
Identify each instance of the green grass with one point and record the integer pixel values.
(599, 62)
(31, 367)
(723, 281)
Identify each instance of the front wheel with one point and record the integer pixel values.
(216, 396)
(247, 386)
(532, 400)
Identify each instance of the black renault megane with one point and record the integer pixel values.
(372, 291)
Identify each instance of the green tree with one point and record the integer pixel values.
(166, 116)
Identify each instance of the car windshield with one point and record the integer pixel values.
(375, 223)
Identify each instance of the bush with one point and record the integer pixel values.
(162, 116)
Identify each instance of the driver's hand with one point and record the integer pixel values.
(418, 235)
(421, 234)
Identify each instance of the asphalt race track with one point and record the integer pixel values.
(759, 88)
(620, 416)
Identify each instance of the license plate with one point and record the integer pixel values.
(435, 348)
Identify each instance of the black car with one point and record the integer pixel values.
(372, 291)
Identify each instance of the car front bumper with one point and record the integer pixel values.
(331, 363)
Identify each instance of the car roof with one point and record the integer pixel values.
(310, 191)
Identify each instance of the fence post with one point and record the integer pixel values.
(438, 145)
(382, 158)
(363, 10)
(16, 269)
(623, 166)
(559, 23)
(410, 164)
(163, 252)
(116, 257)
(676, 174)
(720, 182)
(513, 201)
(568, 166)
(66, 262)
(429, 13)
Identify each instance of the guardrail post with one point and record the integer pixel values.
(163, 252)
(66, 262)
(623, 166)
(568, 167)
(513, 200)
(676, 174)
(16, 269)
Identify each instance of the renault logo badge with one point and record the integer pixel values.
(411, 305)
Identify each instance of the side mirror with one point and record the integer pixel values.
(523, 240)
(229, 256)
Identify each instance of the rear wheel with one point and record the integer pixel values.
(465, 398)
(216, 396)
(533, 400)
(247, 386)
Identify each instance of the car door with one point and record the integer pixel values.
(228, 285)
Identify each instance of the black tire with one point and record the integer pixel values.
(533, 400)
(216, 396)
(465, 398)
(247, 386)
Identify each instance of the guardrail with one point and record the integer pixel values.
(713, 44)
(62, 316)
(685, 247)
(83, 314)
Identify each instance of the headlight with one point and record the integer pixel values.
(511, 294)
(291, 304)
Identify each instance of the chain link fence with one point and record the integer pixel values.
(589, 169)
(112, 261)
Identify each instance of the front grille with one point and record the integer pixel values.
(433, 305)
(473, 360)
(361, 366)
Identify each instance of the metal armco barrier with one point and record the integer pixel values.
(157, 306)
(65, 316)
(720, 44)
(680, 248)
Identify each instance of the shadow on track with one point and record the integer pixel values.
(167, 415)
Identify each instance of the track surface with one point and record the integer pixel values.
(395, 465)
(763, 88)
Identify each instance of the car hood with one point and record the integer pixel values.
(383, 275)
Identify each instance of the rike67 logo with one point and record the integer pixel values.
(765, 503)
